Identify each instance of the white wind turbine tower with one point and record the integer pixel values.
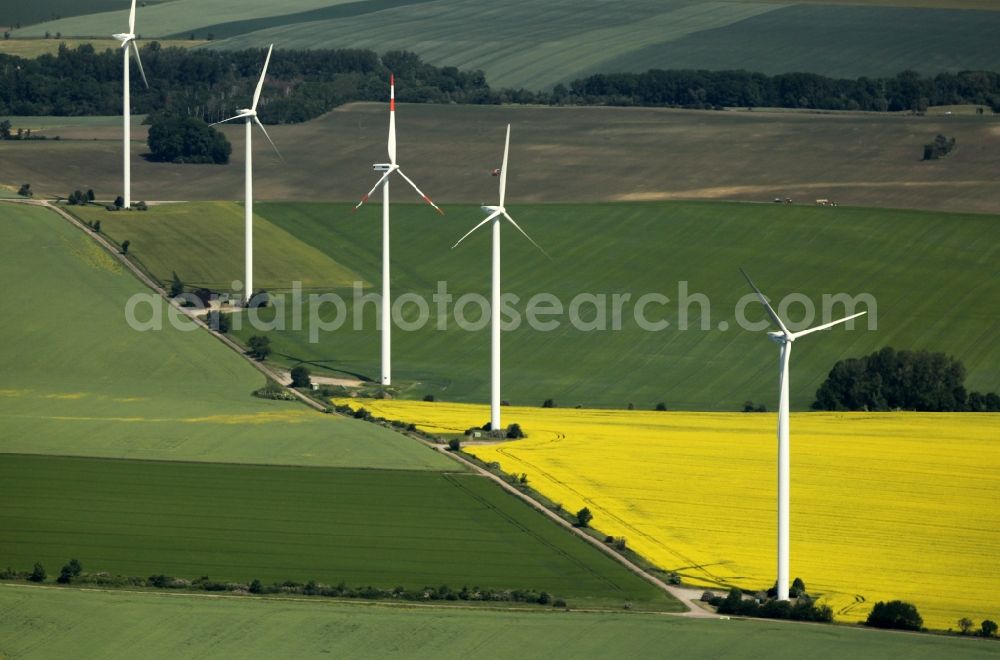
(389, 168)
(494, 215)
(784, 339)
(249, 117)
(128, 43)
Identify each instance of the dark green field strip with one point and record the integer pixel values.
(921, 268)
(234, 522)
(839, 41)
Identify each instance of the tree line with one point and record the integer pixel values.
(303, 84)
(902, 380)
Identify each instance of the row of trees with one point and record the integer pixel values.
(306, 83)
(901, 380)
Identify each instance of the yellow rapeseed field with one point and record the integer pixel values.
(884, 506)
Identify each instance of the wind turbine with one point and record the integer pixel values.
(249, 117)
(494, 213)
(128, 39)
(784, 339)
(389, 168)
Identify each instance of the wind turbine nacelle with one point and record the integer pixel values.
(491, 209)
(382, 167)
(779, 337)
(123, 37)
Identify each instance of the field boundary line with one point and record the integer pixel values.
(150, 283)
(681, 594)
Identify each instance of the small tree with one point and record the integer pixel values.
(965, 625)
(256, 587)
(37, 573)
(218, 321)
(514, 432)
(300, 377)
(661, 407)
(70, 571)
(119, 201)
(25, 190)
(176, 286)
(454, 444)
(798, 588)
(5, 127)
(97, 226)
(90, 194)
(583, 517)
(548, 403)
(895, 614)
(125, 244)
(429, 398)
(260, 347)
(988, 628)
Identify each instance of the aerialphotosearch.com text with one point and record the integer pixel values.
(359, 310)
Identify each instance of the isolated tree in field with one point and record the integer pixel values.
(176, 286)
(454, 444)
(988, 628)
(965, 625)
(25, 190)
(661, 407)
(895, 614)
(125, 246)
(549, 403)
(97, 226)
(37, 573)
(218, 321)
(119, 201)
(583, 517)
(259, 347)
(300, 377)
(514, 432)
(70, 571)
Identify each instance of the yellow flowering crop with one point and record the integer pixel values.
(884, 506)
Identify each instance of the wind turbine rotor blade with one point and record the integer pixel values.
(135, 51)
(256, 120)
(374, 188)
(392, 119)
(809, 331)
(488, 218)
(767, 305)
(503, 168)
(225, 120)
(525, 234)
(131, 18)
(419, 192)
(260, 83)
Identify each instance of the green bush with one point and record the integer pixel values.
(895, 614)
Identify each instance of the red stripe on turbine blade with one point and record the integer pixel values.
(392, 105)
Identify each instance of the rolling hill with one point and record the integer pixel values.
(557, 154)
(537, 45)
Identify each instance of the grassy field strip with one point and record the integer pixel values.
(884, 505)
(174, 17)
(579, 154)
(78, 380)
(521, 44)
(209, 235)
(899, 258)
(49, 622)
(238, 522)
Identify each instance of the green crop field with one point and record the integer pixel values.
(76, 379)
(908, 261)
(557, 154)
(209, 236)
(384, 528)
(536, 45)
(33, 47)
(47, 622)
